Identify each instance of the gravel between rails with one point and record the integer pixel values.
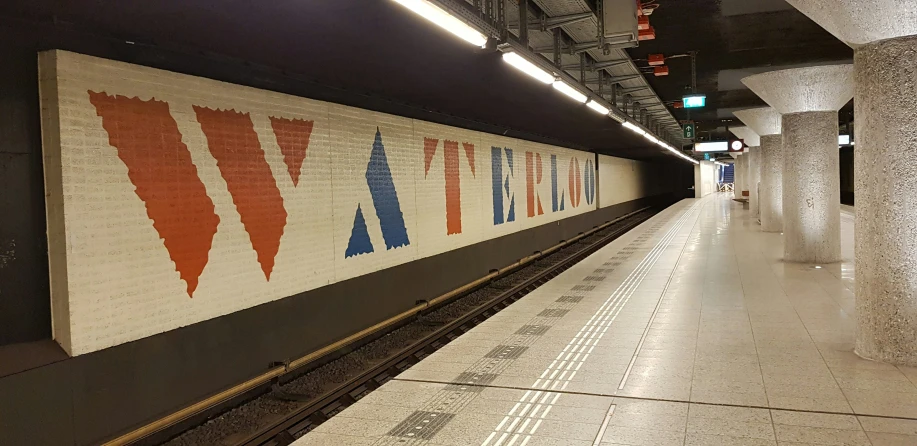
(232, 426)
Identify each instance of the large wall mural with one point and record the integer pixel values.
(183, 199)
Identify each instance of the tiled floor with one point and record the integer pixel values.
(689, 330)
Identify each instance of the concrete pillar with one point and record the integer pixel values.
(752, 172)
(766, 122)
(809, 98)
(884, 38)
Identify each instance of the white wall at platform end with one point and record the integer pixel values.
(704, 179)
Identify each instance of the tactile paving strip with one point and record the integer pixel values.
(550, 312)
(421, 424)
(535, 330)
(571, 299)
(506, 352)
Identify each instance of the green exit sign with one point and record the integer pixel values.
(694, 101)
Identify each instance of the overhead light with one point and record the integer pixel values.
(597, 107)
(445, 20)
(523, 65)
(634, 128)
(720, 163)
(566, 89)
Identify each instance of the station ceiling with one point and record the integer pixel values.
(377, 50)
(733, 39)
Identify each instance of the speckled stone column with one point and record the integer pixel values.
(811, 188)
(883, 34)
(766, 121)
(885, 175)
(809, 98)
(751, 165)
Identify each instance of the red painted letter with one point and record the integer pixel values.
(293, 138)
(575, 181)
(233, 142)
(453, 188)
(160, 167)
(533, 171)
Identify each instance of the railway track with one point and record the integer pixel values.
(290, 410)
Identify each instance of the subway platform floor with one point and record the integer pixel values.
(688, 330)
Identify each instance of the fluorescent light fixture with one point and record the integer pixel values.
(694, 101)
(597, 107)
(843, 140)
(445, 21)
(523, 65)
(714, 146)
(571, 92)
(652, 138)
(633, 127)
(719, 163)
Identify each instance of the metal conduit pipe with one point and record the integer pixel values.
(278, 371)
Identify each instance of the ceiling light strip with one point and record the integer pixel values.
(445, 21)
(466, 32)
(569, 91)
(522, 64)
(597, 107)
(652, 138)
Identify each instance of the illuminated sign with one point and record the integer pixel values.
(843, 140)
(714, 146)
(694, 101)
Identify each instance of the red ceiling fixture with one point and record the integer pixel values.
(646, 34)
(656, 60)
(661, 71)
(643, 22)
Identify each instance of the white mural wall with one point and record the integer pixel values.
(174, 199)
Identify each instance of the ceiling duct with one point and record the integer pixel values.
(620, 18)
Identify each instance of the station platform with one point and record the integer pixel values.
(688, 330)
